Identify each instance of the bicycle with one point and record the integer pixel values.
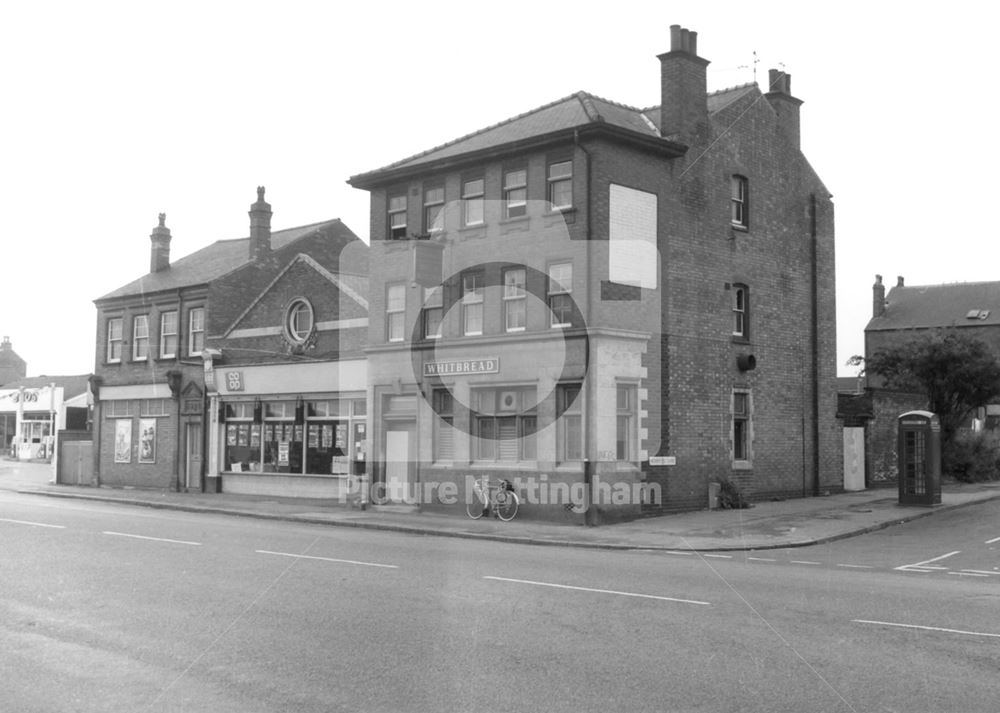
(499, 498)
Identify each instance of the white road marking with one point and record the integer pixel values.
(597, 591)
(804, 562)
(675, 552)
(154, 539)
(857, 566)
(969, 574)
(761, 559)
(33, 524)
(726, 557)
(327, 559)
(981, 571)
(921, 566)
(990, 542)
(926, 628)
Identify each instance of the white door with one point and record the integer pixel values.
(397, 464)
(854, 458)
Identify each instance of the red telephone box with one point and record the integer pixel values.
(919, 456)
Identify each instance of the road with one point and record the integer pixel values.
(106, 607)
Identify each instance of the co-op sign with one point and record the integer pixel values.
(487, 365)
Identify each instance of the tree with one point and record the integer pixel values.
(958, 374)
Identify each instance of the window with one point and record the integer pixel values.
(117, 408)
(196, 331)
(472, 304)
(740, 201)
(154, 407)
(115, 340)
(515, 193)
(433, 312)
(741, 326)
(561, 185)
(395, 312)
(625, 413)
(741, 426)
(168, 335)
(569, 431)
(444, 429)
(434, 210)
(299, 320)
(504, 424)
(473, 202)
(514, 300)
(559, 293)
(140, 337)
(397, 217)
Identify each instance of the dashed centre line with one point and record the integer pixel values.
(33, 524)
(597, 591)
(327, 559)
(761, 559)
(154, 539)
(857, 566)
(925, 628)
(805, 562)
(990, 542)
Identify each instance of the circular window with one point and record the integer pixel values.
(299, 320)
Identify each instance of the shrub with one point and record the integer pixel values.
(730, 497)
(972, 456)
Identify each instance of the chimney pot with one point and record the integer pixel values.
(675, 38)
(159, 252)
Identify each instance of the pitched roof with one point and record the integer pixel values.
(960, 304)
(575, 111)
(72, 385)
(211, 262)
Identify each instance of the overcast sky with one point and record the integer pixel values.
(114, 112)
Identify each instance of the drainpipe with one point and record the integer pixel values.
(814, 258)
(589, 463)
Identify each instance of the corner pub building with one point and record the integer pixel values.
(592, 294)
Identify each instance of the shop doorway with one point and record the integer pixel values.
(400, 454)
(192, 460)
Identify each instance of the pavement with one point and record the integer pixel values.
(796, 522)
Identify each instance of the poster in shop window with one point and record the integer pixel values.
(283, 452)
(123, 440)
(341, 436)
(147, 440)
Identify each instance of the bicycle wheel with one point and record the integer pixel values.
(475, 507)
(506, 505)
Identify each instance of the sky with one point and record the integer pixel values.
(113, 112)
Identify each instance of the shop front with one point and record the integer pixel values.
(32, 416)
(287, 430)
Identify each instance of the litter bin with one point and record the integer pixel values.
(919, 456)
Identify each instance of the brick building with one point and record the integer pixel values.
(612, 306)
(193, 359)
(906, 313)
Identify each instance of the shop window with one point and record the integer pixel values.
(569, 423)
(473, 202)
(444, 428)
(625, 420)
(504, 424)
(242, 449)
(140, 337)
(168, 335)
(114, 352)
(117, 408)
(154, 407)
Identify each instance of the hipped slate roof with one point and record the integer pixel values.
(575, 111)
(218, 259)
(961, 304)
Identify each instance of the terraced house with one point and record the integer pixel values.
(613, 307)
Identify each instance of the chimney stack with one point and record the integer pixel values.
(899, 281)
(6, 346)
(159, 252)
(683, 88)
(878, 297)
(260, 227)
(779, 94)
